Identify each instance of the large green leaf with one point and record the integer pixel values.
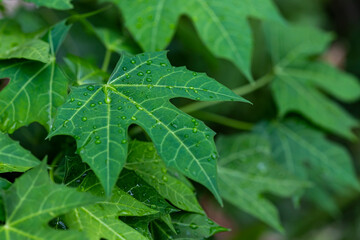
(17, 44)
(14, 158)
(35, 89)
(188, 226)
(247, 171)
(57, 4)
(309, 155)
(146, 163)
(32, 201)
(298, 82)
(222, 25)
(138, 92)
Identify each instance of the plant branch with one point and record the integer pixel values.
(243, 90)
(106, 61)
(229, 122)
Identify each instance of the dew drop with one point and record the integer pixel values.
(133, 118)
(107, 100)
(148, 79)
(127, 76)
(133, 61)
(164, 170)
(97, 137)
(100, 102)
(139, 107)
(119, 108)
(85, 94)
(195, 130)
(173, 125)
(123, 117)
(148, 71)
(84, 119)
(140, 74)
(148, 62)
(90, 88)
(124, 68)
(123, 141)
(65, 122)
(79, 103)
(92, 105)
(98, 141)
(163, 64)
(193, 226)
(72, 99)
(94, 127)
(186, 135)
(150, 86)
(165, 178)
(194, 73)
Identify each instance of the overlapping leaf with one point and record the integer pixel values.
(32, 201)
(102, 219)
(35, 89)
(188, 226)
(298, 82)
(222, 25)
(247, 170)
(138, 92)
(13, 158)
(17, 44)
(309, 155)
(146, 163)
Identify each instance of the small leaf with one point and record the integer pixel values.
(56, 4)
(32, 201)
(138, 92)
(13, 158)
(81, 71)
(145, 162)
(246, 160)
(17, 44)
(188, 226)
(114, 41)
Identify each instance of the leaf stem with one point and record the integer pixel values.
(233, 123)
(106, 61)
(243, 90)
(53, 165)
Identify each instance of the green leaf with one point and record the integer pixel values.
(34, 92)
(102, 219)
(32, 201)
(16, 44)
(188, 226)
(298, 84)
(222, 25)
(146, 163)
(247, 171)
(56, 4)
(13, 158)
(113, 40)
(309, 155)
(81, 71)
(138, 92)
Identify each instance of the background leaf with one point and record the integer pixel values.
(247, 171)
(221, 25)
